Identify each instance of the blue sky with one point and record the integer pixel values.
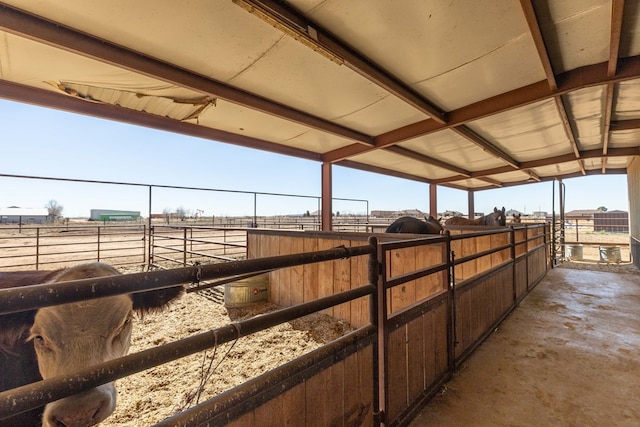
(43, 142)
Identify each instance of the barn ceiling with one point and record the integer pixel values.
(465, 94)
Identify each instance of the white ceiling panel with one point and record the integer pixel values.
(575, 37)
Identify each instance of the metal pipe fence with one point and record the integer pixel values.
(46, 247)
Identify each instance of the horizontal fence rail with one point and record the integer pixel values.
(51, 247)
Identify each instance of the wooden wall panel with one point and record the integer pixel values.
(438, 319)
(360, 308)
(325, 397)
(521, 280)
(432, 284)
(402, 261)
(310, 271)
(326, 274)
(285, 246)
(415, 358)
(396, 375)
(341, 283)
(296, 274)
(358, 390)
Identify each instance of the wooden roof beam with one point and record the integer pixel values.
(617, 13)
(292, 22)
(538, 40)
(620, 125)
(568, 130)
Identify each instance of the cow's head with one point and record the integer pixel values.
(72, 336)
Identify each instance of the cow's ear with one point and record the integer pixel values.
(145, 302)
(14, 328)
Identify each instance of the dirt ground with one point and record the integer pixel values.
(153, 395)
(567, 356)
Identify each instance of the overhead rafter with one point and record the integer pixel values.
(543, 55)
(620, 125)
(293, 23)
(532, 175)
(34, 28)
(617, 12)
(538, 41)
(591, 75)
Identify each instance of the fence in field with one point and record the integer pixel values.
(51, 247)
(184, 243)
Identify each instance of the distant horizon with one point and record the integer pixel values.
(44, 142)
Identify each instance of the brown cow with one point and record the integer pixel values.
(62, 339)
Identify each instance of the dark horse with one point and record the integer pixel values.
(409, 224)
(498, 217)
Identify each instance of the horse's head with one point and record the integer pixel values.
(516, 218)
(435, 227)
(498, 217)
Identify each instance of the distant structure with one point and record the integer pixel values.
(581, 214)
(612, 221)
(113, 215)
(17, 215)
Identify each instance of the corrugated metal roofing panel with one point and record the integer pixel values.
(624, 138)
(452, 148)
(627, 104)
(396, 162)
(528, 132)
(584, 109)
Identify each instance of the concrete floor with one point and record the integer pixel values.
(569, 355)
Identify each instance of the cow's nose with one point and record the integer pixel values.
(84, 418)
(81, 410)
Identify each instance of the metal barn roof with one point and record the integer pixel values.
(465, 94)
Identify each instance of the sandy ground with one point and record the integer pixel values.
(567, 356)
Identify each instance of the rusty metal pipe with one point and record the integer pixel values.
(24, 398)
(32, 297)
